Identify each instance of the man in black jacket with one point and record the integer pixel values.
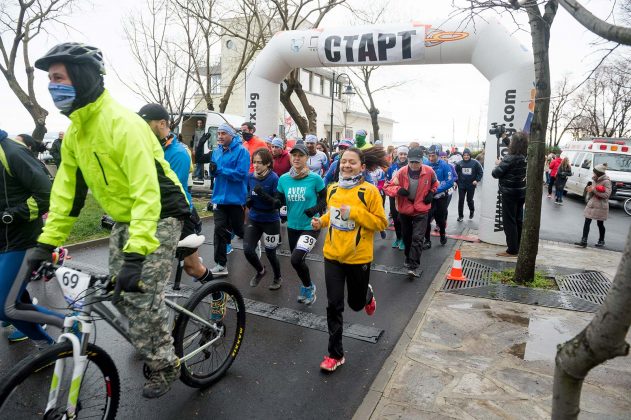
(55, 149)
(511, 174)
(469, 175)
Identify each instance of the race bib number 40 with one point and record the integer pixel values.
(73, 285)
(271, 241)
(306, 243)
(339, 222)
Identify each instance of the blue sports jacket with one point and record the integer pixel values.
(231, 175)
(443, 174)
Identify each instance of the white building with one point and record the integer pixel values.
(349, 115)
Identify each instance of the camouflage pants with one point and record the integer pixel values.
(147, 313)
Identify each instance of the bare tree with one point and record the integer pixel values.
(563, 112)
(165, 71)
(24, 20)
(601, 340)
(296, 14)
(603, 105)
(604, 29)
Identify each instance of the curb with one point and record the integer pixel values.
(378, 387)
(103, 241)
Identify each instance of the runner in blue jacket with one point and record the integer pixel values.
(440, 204)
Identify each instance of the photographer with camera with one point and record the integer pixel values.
(511, 174)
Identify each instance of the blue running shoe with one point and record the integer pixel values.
(16, 336)
(310, 294)
(396, 242)
(5, 324)
(303, 294)
(229, 249)
(401, 245)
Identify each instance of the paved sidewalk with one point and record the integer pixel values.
(471, 358)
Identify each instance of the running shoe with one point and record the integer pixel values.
(16, 336)
(310, 294)
(218, 307)
(401, 245)
(396, 242)
(219, 271)
(460, 219)
(372, 305)
(330, 364)
(257, 278)
(5, 324)
(229, 249)
(276, 283)
(383, 234)
(302, 295)
(443, 239)
(160, 381)
(471, 214)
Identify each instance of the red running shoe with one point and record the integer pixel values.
(330, 364)
(372, 305)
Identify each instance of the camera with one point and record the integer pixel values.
(497, 130)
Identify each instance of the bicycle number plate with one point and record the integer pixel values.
(73, 285)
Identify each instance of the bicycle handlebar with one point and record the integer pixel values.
(46, 271)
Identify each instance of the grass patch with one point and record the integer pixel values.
(88, 224)
(539, 282)
(200, 204)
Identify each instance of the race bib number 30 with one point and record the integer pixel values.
(306, 243)
(73, 285)
(338, 222)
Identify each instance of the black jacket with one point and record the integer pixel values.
(511, 173)
(55, 152)
(468, 171)
(25, 195)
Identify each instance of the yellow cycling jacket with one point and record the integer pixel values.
(113, 152)
(353, 246)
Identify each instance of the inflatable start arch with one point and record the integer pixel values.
(506, 63)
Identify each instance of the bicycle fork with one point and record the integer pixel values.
(79, 360)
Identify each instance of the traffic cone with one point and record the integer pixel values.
(456, 269)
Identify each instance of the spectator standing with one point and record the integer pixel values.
(564, 171)
(469, 175)
(55, 149)
(197, 136)
(549, 160)
(554, 168)
(511, 175)
(597, 207)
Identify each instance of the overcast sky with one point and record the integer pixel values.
(439, 103)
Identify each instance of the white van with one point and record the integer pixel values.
(592, 151)
(211, 120)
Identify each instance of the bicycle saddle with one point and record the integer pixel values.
(191, 241)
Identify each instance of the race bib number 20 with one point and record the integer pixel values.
(340, 223)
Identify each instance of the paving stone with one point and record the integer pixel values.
(475, 385)
(528, 383)
(389, 410)
(417, 384)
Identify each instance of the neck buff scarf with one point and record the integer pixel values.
(263, 175)
(299, 175)
(348, 183)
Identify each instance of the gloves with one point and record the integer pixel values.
(37, 255)
(248, 202)
(128, 279)
(600, 188)
(403, 192)
(310, 212)
(428, 198)
(259, 190)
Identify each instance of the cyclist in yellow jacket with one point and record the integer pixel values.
(111, 151)
(355, 213)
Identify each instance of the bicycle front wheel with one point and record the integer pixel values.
(24, 391)
(627, 206)
(222, 304)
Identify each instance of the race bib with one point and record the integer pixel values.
(338, 222)
(73, 285)
(467, 171)
(271, 241)
(306, 243)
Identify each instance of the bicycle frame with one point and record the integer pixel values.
(95, 303)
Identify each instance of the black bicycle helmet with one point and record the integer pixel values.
(72, 52)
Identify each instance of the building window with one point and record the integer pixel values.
(326, 91)
(305, 79)
(215, 84)
(317, 84)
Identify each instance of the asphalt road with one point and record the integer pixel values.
(276, 374)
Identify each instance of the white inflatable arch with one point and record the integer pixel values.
(506, 63)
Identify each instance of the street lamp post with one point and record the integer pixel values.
(348, 90)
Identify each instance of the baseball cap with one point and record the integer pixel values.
(277, 142)
(415, 155)
(311, 138)
(300, 148)
(153, 112)
(345, 143)
(434, 149)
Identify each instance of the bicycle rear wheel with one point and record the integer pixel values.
(221, 303)
(24, 391)
(627, 206)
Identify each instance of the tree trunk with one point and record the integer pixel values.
(305, 125)
(374, 118)
(529, 245)
(601, 340)
(38, 114)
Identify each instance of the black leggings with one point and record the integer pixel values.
(253, 232)
(298, 254)
(356, 278)
(395, 217)
(601, 229)
(439, 212)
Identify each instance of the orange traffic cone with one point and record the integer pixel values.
(456, 269)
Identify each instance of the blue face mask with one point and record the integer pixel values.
(63, 95)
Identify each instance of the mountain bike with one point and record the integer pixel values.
(75, 378)
(627, 206)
